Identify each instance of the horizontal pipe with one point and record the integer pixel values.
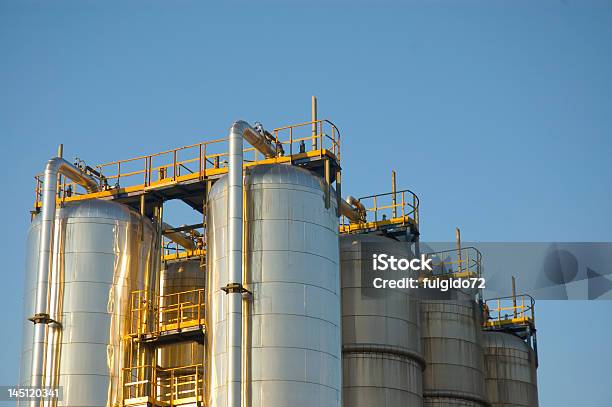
(356, 203)
(178, 236)
(254, 138)
(348, 210)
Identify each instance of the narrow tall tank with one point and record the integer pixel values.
(510, 370)
(452, 346)
(291, 333)
(381, 344)
(102, 252)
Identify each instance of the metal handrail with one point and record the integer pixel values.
(453, 261)
(510, 308)
(319, 135)
(170, 164)
(406, 207)
(165, 385)
(184, 309)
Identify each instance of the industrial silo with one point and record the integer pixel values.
(381, 344)
(102, 251)
(452, 347)
(510, 370)
(291, 311)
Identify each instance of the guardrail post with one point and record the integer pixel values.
(174, 165)
(375, 210)
(314, 123)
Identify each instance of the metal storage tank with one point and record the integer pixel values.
(510, 370)
(452, 346)
(291, 333)
(102, 252)
(381, 344)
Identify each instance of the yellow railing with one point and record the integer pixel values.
(165, 387)
(313, 135)
(518, 309)
(196, 159)
(166, 312)
(466, 261)
(401, 207)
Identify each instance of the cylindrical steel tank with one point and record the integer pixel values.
(510, 370)
(381, 344)
(452, 346)
(291, 333)
(102, 252)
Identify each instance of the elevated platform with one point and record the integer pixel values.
(185, 173)
(395, 214)
(149, 386)
(172, 334)
(512, 314)
(170, 318)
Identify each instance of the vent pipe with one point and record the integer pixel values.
(41, 318)
(240, 130)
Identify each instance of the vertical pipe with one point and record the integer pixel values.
(44, 267)
(41, 318)
(314, 124)
(235, 240)
(458, 238)
(393, 194)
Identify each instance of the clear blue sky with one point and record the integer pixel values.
(498, 113)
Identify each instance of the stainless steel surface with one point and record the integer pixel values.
(102, 252)
(355, 202)
(234, 262)
(292, 322)
(381, 343)
(347, 209)
(510, 371)
(238, 131)
(452, 346)
(252, 136)
(178, 277)
(40, 314)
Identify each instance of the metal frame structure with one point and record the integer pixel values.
(188, 173)
(383, 212)
(180, 172)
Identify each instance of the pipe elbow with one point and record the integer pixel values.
(351, 200)
(241, 128)
(238, 128)
(59, 165)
